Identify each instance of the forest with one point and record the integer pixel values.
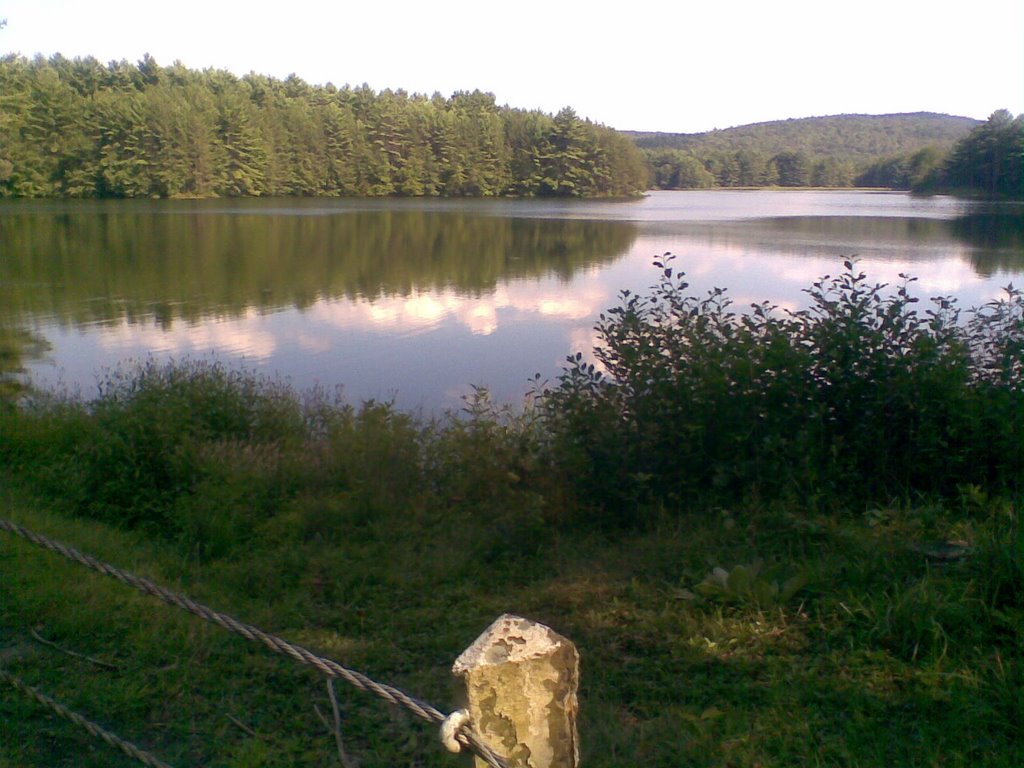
(79, 128)
(923, 152)
(812, 151)
(988, 162)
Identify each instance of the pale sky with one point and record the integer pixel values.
(654, 66)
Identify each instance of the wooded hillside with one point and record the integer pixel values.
(850, 137)
(814, 151)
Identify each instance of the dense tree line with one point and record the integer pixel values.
(903, 171)
(987, 162)
(684, 169)
(837, 151)
(859, 139)
(78, 128)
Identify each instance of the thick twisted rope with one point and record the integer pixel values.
(466, 736)
(113, 740)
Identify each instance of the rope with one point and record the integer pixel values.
(467, 737)
(115, 741)
(451, 727)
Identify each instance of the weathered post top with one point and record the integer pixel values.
(521, 678)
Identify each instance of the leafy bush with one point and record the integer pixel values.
(859, 397)
(153, 421)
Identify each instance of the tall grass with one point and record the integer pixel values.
(210, 457)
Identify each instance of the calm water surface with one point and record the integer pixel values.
(418, 301)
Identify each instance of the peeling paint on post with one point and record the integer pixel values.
(521, 678)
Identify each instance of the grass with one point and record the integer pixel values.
(737, 600)
(884, 657)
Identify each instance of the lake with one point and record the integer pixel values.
(420, 300)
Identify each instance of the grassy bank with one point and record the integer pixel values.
(776, 540)
(884, 655)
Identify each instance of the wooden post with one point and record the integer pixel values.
(521, 678)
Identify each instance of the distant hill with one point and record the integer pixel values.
(834, 151)
(856, 138)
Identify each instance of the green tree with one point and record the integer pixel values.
(990, 160)
(526, 135)
(244, 150)
(339, 136)
(793, 169)
(480, 143)
(54, 134)
(917, 170)
(564, 165)
(830, 172)
(621, 170)
(124, 168)
(924, 166)
(755, 169)
(678, 169)
(77, 128)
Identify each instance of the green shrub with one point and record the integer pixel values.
(131, 455)
(40, 439)
(857, 398)
(485, 470)
(152, 422)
